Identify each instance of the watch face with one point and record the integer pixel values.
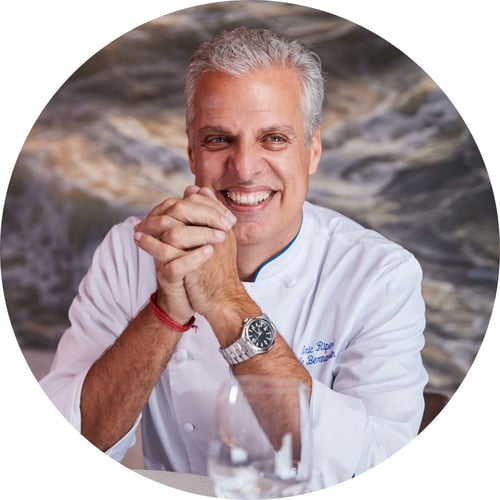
(260, 333)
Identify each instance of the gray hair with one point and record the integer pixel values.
(242, 50)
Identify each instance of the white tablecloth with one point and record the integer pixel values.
(191, 483)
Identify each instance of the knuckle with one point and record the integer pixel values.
(168, 272)
(172, 236)
(168, 202)
(173, 271)
(161, 224)
(176, 209)
(160, 207)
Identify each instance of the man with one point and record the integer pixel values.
(342, 306)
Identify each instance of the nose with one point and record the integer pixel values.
(244, 162)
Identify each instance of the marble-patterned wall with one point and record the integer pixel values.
(397, 157)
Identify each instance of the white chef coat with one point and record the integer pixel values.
(345, 299)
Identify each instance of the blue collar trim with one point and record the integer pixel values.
(281, 252)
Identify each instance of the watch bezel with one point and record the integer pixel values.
(244, 348)
(246, 332)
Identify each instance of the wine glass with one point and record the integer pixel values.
(261, 445)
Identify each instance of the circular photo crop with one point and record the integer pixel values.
(393, 182)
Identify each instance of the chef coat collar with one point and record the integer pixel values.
(281, 253)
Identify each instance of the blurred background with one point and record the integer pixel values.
(397, 158)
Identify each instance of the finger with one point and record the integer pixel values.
(203, 194)
(155, 225)
(190, 190)
(201, 210)
(162, 207)
(188, 237)
(178, 268)
(205, 191)
(187, 240)
(172, 262)
(160, 251)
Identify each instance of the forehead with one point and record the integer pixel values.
(263, 94)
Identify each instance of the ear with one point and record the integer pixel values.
(190, 153)
(315, 151)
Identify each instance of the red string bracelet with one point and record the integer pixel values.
(166, 320)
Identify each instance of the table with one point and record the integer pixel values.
(192, 483)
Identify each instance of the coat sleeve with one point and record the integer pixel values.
(375, 403)
(99, 313)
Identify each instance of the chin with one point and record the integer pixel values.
(248, 234)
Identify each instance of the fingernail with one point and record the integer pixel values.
(137, 237)
(220, 235)
(208, 249)
(228, 221)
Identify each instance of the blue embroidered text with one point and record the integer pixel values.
(320, 352)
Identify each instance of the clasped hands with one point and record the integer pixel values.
(194, 249)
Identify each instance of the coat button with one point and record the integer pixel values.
(181, 355)
(290, 281)
(189, 427)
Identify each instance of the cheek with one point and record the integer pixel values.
(296, 180)
(210, 165)
(207, 172)
(198, 164)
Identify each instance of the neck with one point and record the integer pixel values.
(247, 262)
(252, 257)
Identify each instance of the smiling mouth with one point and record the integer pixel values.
(248, 199)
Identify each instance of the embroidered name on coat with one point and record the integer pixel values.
(320, 352)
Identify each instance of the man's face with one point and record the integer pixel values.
(248, 145)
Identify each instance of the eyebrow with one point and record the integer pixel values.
(212, 130)
(279, 129)
(273, 129)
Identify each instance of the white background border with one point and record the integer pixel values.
(43, 42)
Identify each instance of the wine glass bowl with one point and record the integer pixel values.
(261, 445)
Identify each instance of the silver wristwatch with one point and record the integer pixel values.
(257, 337)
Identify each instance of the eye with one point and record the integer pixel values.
(275, 141)
(216, 142)
(275, 138)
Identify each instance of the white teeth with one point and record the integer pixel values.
(248, 198)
